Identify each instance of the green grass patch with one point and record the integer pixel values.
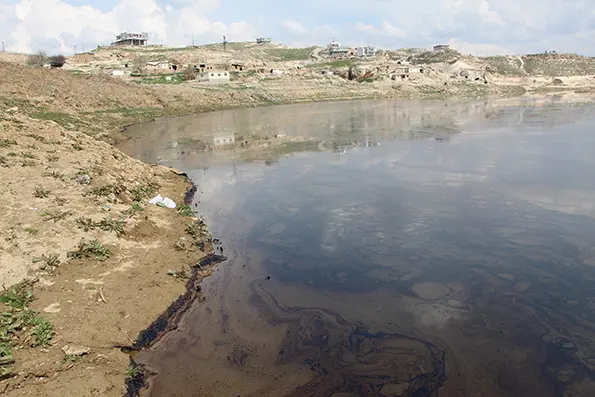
(20, 326)
(185, 210)
(142, 192)
(90, 249)
(345, 63)
(162, 79)
(63, 119)
(289, 54)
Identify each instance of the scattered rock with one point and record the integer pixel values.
(12, 110)
(76, 350)
(53, 308)
(83, 179)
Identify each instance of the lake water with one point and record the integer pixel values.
(387, 248)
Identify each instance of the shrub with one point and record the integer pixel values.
(38, 59)
(189, 74)
(57, 59)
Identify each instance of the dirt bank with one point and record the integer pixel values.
(100, 261)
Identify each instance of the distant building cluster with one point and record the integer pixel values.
(263, 40)
(336, 50)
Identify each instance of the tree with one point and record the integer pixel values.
(57, 59)
(189, 73)
(38, 59)
(139, 65)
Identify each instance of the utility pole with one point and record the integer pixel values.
(75, 49)
(224, 43)
(3, 50)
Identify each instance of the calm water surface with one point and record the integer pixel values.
(387, 249)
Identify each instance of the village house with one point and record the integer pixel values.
(213, 77)
(366, 52)
(158, 66)
(131, 39)
(404, 72)
(441, 47)
(237, 66)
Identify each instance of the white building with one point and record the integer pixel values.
(131, 38)
(213, 77)
(366, 52)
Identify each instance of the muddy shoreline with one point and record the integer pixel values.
(169, 320)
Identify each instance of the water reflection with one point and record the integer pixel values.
(417, 267)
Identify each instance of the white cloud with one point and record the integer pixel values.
(503, 25)
(57, 26)
(385, 29)
(294, 27)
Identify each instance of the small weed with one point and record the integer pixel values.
(70, 358)
(28, 155)
(185, 210)
(51, 261)
(31, 230)
(76, 146)
(132, 371)
(43, 332)
(7, 142)
(60, 201)
(3, 161)
(17, 297)
(106, 190)
(28, 163)
(11, 154)
(33, 147)
(90, 249)
(197, 230)
(38, 138)
(41, 192)
(133, 210)
(56, 215)
(52, 158)
(112, 225)
(142, 192)
(85, 223)
(54, 174)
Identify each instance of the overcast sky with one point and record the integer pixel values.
(471, 26)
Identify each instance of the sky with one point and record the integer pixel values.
(479, 27)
